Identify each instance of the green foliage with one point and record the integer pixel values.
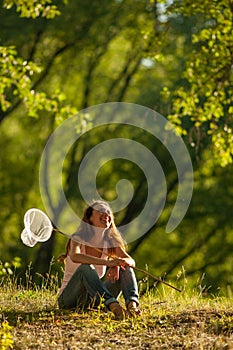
(16, 73)
(6, 340)
(33, 8)
(206, 101)
(16, 76)
(203, 242)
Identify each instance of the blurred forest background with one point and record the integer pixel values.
(175, 57)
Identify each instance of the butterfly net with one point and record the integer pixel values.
(38, 227)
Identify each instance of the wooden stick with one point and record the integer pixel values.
(156, 278)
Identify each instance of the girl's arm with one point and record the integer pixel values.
(121, 253)
(113, 272)
(77, 257)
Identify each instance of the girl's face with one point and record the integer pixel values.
(101, 216)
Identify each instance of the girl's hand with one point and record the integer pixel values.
(117, 262)
(113, 274)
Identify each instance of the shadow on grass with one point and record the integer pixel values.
(14, 317)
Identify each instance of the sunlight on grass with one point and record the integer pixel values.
(190, 320)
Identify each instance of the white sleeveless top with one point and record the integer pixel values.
(71, 267)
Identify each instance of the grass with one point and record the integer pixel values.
(30, 319)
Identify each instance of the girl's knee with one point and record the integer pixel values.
(85, 268)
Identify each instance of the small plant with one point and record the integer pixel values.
(8, 272)
(6, 340)
(7, 268)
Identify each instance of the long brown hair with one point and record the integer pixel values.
(85, 232)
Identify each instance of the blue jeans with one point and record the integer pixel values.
(85, 288)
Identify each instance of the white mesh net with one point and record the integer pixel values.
(27, 239)
(38, 227)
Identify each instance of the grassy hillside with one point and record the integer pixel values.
(30, 319)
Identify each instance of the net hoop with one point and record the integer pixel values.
(38, 227)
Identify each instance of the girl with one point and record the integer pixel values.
(95, 246)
